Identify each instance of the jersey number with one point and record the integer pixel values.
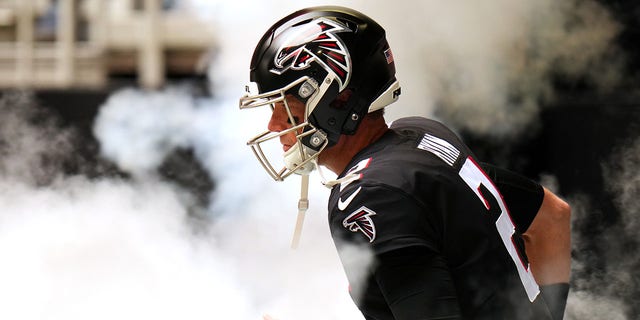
(476, 179)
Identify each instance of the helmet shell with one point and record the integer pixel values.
(335, 46)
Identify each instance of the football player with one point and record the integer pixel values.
(452, 238)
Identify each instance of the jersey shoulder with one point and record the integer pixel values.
(413, 147)
(415, 153)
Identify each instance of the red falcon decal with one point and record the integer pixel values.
(316, 41)
(360, 220)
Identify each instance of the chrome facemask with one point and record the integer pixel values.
(300, 158)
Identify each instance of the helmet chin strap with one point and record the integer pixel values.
(292, 158)
(303, 205)
(331, 183)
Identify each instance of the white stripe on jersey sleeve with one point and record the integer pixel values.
(441, 148)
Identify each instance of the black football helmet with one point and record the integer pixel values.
(315, 54)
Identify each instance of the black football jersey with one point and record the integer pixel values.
(419, 186)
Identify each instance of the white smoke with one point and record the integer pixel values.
(22, 147)
(489, 67)
(591, 296)
(604, 282)
(586, 305)
(109, 250)
(252, 217)
(623, 180)
(75, 248)
(139, 129)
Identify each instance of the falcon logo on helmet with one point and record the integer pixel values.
(316, 41)
(360, 220)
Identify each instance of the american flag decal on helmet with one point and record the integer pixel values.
(388, 55)
(316, 41)
(360, 221)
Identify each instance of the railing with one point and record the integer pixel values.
(112, 29)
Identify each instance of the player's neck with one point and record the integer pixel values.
(338, 157)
